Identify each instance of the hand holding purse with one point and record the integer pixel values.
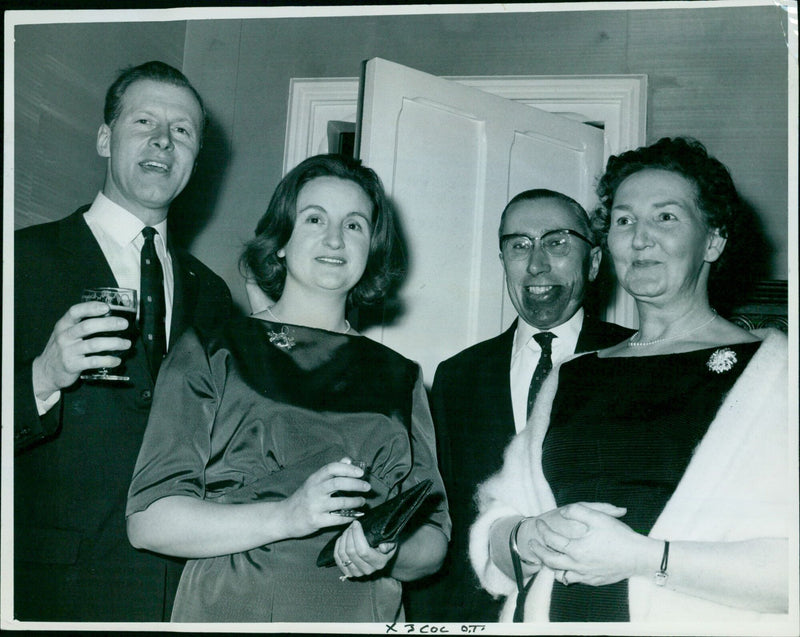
(385, 522)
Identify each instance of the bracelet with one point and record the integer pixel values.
(515, 547)
(662, 576)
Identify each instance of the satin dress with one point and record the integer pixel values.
(246, 414)
(623, 431)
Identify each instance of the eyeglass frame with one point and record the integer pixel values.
(568, 231)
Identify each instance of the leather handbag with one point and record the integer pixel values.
(385, 522)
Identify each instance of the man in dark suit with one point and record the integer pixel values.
(76, 442)
(481, 397)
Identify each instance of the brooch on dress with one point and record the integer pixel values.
(722, 360)
(282, 339)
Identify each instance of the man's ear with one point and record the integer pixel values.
(104, 141)
(595, 257)
(715, 246)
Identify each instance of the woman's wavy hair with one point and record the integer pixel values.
(260, 262)
(744, 260)
(717, 197)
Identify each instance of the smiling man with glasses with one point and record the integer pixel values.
(548, 259)
(481, 397)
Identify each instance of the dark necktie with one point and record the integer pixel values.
(545, 340)
(152, 311)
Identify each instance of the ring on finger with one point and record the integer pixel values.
(347, 563)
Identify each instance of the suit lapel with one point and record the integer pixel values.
(77, 240)
(596, 335)
(497, 378)
(185, 294)
(588, 339)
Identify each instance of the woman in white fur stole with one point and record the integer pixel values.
(653, 480)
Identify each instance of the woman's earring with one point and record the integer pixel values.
(281, 253)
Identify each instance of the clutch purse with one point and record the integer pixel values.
(385, 522)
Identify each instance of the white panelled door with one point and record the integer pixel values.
(451, 157)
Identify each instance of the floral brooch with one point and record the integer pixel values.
(721, 360)
(282, 339)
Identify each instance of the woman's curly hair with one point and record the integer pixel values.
(716, 196)
(260, 262)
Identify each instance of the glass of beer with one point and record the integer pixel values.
(121, 302)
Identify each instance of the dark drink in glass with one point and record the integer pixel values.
(122, 302)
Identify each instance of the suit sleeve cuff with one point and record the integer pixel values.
(43, 406)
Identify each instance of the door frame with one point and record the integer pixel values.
(617, 102)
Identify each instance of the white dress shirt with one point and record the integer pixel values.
(119, 235)
(525, 355)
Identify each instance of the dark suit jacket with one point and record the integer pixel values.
(73, 561)
(473, 415)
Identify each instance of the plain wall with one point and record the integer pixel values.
(718, 74)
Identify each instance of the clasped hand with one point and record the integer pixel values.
(582, 542)
(316, 505)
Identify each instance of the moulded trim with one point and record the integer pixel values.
(619, 102)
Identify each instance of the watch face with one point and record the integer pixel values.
(661, 578)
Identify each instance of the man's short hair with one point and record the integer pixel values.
(153, 70)
(537, 194)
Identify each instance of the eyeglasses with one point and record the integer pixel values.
(556, 243)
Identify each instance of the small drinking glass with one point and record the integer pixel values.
(121, 302)
(354, 513)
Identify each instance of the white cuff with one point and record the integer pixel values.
(43, 406)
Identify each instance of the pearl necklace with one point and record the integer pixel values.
(632, 343)
(346, 322)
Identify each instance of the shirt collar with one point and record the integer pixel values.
(118, 224)
(566, 332)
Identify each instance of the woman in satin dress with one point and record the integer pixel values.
(249, 464)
